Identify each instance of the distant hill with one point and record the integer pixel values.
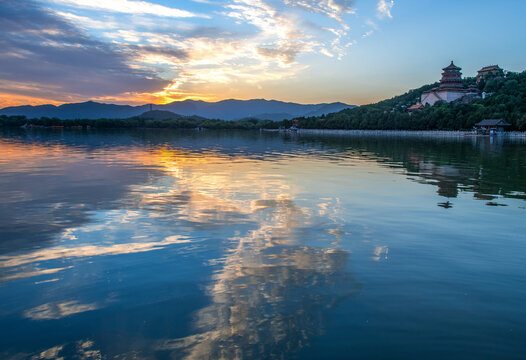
(239, 109)
(224, 110)
(86, 110)
(329, 108)
(273, 117)
(160, 115)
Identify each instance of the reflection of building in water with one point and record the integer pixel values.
(446, 177)
(487, 175)
(270, 297)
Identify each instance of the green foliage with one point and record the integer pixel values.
(180, 122)
(507, 101)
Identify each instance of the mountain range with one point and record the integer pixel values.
(224, 110)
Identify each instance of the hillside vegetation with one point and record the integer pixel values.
(157, 120)
(507, 101)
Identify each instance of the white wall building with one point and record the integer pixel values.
(451, 87)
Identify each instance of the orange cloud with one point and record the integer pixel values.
(7, 99)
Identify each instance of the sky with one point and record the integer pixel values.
(306, 51)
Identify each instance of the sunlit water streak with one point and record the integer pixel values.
(156, 244)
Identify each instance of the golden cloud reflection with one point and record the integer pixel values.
(17, 156)
(53, 311)
(269, 305)
(205, 186)
(82, 349)
(199, 205)
(380, 253)
(31, 273)
(51, 353)
(275, 284)
(272, 292)
(60, 252)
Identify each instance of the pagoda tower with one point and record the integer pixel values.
(451, 77)
(451, 87)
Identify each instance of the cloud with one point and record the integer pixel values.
(384, 8)
(43, 51)
(286, 53)
(130, 7)
(372, 24)
(205, 63)
(133, 51)
(173, 53)
(372, 28)
(265, 17)
(332, 8)
(283, 34)
(86, 22)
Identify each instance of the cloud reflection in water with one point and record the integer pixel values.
(271, 295)
(263, 232)
(52, 311)
(275, 281)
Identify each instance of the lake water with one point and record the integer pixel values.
(220, 245)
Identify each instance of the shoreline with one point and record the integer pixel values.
(404, 133)
(460, 134)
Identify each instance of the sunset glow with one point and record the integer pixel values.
(136, 52)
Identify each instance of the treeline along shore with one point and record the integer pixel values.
(506, 99)
(139, 122)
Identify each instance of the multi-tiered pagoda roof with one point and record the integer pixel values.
(451, 77)
(451, 88)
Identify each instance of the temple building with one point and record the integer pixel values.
(416, 107)
(451, 87)
(493, 71)
(491, 126)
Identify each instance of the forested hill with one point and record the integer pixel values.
(224, 110)
(507, 101)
